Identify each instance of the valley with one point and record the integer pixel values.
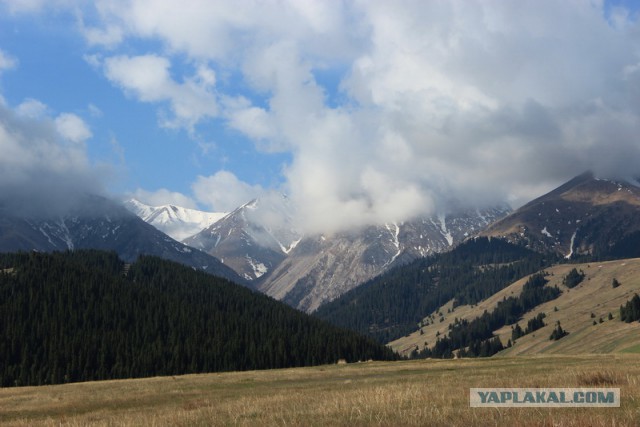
(584, 217)
(406, 285)
(319, 213)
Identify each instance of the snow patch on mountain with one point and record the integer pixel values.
(573, 240)
(440, 222)
(291, 247)
(395, 232)
(259, 269)
(443, 226)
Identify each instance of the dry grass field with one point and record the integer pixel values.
(426, 392)
(573, 309)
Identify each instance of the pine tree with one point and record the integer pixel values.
(630, 312)
(558, 332)
(516, 332)
(573, 278)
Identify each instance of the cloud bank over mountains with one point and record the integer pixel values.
(44, 165)
(388, 109)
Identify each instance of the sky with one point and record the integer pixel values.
(362, 112)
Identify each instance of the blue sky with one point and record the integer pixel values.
(361, 111)
(52, 68)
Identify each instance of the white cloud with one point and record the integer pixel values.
(437, 101)
(163, 197)
(72, 127)
(252, 121)
(94, 110)
(147, 78)
(7, 61)
(93, 60)
(23, 6)
(108, 37)
(441, 100)
(32, 108)
(223, 191)
(221, 30)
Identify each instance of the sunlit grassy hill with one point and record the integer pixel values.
(573, 308)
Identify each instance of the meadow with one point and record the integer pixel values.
(420, 392)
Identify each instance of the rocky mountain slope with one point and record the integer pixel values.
(390, 305)
(321, 268)
(253, 239)
(584, 216)
(260, 242)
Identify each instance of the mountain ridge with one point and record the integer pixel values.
(584, 216)
(259, 241)
(320, 269)
(391, 304)
(176, 221)
(252, 239)
(101, 223)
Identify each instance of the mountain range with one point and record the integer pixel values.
(465, 298)
(100, 223)
(585, 216)
(259, 245)
(321, 268)
(259, 241)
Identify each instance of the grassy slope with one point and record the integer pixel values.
(594, 295)
(423, 392)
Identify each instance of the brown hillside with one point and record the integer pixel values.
(574, 307)
(583, 216)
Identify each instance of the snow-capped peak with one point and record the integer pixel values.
(176, 221)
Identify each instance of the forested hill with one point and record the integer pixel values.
(392, 305)
(80, 316)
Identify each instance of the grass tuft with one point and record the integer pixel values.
(602, 378)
